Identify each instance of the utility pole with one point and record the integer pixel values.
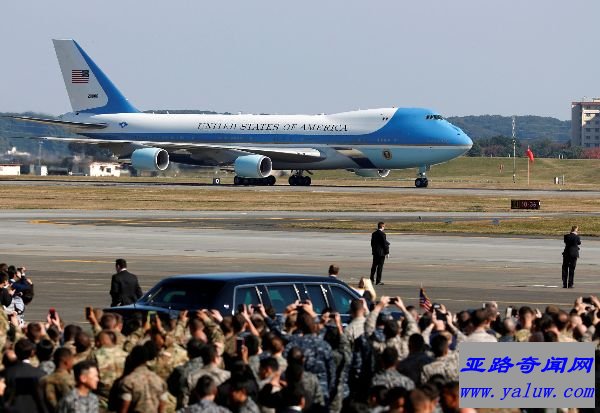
(40, 156)
(514, 139)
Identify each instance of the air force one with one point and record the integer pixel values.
(368, 142)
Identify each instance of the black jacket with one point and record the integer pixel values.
(124, 288)
(572, 243)
(379, 244)
(23, 388)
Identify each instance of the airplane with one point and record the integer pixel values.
(369, 142)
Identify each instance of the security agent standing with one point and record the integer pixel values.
(380, 248)
(124, 286)
(570, 255)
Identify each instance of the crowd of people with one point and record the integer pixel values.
(388, 357)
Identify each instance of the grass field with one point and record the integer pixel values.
(580, 176)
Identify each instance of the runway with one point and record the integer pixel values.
(70, 256)
(390, 186)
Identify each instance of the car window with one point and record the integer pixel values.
(246, 295)
(315, 294)
(183, 294)
(341, 299)
(281, 296)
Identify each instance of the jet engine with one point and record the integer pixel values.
(253, 166)
(150, 159)
(372, 173)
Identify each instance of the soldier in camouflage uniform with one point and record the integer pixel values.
(177, 381)
(110, 359)
(56, 385)
(206, 391)
(445, 363)
(394, 336)
(170, 355)
(317, 353)
(83, 347)
(81, 399)
(109, 321)
(142, 390)
(211, 360)
(4, 327)
(390, 377)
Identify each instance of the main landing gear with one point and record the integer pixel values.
(268, 181)
(422, 181)
(298, 179)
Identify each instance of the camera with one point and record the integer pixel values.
(587, 300)
(239, 342)
(393, 300)
(436, 306)
(88, 312)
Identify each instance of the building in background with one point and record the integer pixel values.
(102, 169)
(32, 169)
(10, 169)
(585, 123)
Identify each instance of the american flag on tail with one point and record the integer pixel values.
(424, 301)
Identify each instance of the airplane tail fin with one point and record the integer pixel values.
(89, 89)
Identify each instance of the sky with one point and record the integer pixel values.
(459, 57)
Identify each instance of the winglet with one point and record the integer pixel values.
(89, 89)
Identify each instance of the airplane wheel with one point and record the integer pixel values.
(421, 182)
(292, 180)
(307, 181)
(271, 180)
(236, 180)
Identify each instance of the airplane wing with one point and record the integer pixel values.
(281, 154)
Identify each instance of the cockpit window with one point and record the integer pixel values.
(436, 117)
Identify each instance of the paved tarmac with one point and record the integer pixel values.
(70, 256)
(394, 186)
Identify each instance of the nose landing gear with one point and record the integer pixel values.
(422, 181)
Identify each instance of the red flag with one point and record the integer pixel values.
(424, 301)
(529, 154)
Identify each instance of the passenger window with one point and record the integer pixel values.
(246, 295)
(315, 293)
(342, 299)
(281, 296)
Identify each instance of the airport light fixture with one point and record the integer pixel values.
(514, 141)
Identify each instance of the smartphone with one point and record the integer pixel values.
(88, 312)
(509, 311)
(239, 342)
(441, 316)
(393, 300)
(52, 313)
(587, 300)
(151, 316)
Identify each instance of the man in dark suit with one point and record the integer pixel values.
(570, 255)
(23, 388)
(124, 286)
(380, 248)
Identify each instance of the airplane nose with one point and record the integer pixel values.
(464, 140)
(460, 138)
